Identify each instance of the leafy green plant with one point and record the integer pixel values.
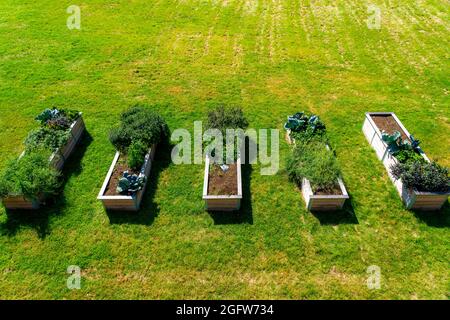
(312, 160)
(136, 154)
(403, 150)
(30, 176)
(227, 117)
(130, 183)
(422, 176)
(304, 127)
(59, 119)
(408, 155)
(138, 123)
(45, 137)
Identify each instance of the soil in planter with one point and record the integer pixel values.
(334, 191)
(119, 169)
(223, 183)
(388, 124)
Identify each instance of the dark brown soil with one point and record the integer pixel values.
(119, 169)
(336, 190)
(388, 124)
(222, 183)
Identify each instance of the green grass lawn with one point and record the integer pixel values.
(271, 57)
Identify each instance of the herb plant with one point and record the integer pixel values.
(422, 176)
(314, 161)
(30, 176)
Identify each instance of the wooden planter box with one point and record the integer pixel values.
(412, 199)
(222, 202)
(323, 202)
(126, 203)
(57, 160)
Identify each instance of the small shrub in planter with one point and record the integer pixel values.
(312, 165)
(422, 176)
(135, 139)
(30, 176)
(138, 124)
(222, 189)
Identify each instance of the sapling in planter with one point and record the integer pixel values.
(135, 138)
(222, 190)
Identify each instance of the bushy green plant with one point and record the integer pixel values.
(408, 155)
(138, 123)
(227, 117)
(304, 127)
(136, 154)
(130, 183)
(30, 176)
(58, 119)
(312, 160)
(422, 176)
(403, 150)
(45, 137)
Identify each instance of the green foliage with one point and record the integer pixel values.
(138, 123)
(58, 119)
(403, 150)
(223, 118)
(31, 176)
(408, 155)
(136, 154)
(312, 160)
(422, 176)
(130, 183)
(304, 127)
(226, 117)
(44, 137)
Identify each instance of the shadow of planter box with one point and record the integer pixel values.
(412, 199)
(320, 202)
(126, 203)
(57, 160)
(222, 202)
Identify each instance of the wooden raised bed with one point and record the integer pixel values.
(412, 199)
(57, 160)
(315, 202)
(222, 202)
(126, 203)
(323, 202)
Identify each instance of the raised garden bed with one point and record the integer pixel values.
(373, 125)
(318, 200)
(324, 202)
(222, 191)
(109, 197)
(57, 160)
